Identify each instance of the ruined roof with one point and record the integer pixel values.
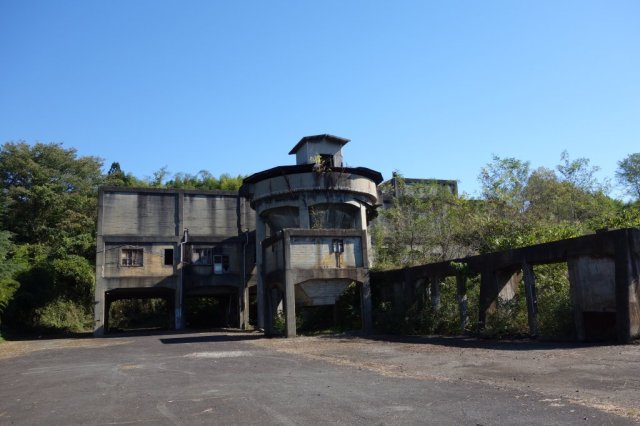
(375, 176)
(326, 136)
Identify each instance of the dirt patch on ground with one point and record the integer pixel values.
(10, 349)
(604, 377)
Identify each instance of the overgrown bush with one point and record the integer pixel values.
(63, 315)
(129, 314)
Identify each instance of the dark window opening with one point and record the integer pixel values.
(326, 160)
(168, 257)
(220, 264)
(337, 246)
(201, 256)
(333, 216)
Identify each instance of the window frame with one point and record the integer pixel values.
(131, 257)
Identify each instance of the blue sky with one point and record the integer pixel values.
(430, 88)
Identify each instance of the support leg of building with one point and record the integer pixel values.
(461, 290)
(365, 307)
(290, 304)
(99, 314)
(623, 282)
(177, 305)
(532, 300)
(487, 283)
(435, 291)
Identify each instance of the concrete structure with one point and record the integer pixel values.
(604, 274)
(311, 229)
(173, 244)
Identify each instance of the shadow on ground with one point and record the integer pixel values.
(461, 342)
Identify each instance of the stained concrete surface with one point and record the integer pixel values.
(233, 378)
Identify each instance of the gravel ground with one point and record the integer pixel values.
(242, 378)
(605, 377)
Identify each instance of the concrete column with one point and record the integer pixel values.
(289, 288)
(303, 215)
(361, 222)
(365, 306)
(178, 320)
(463, 308)
(532, 300)
(99, 310)
(99, 301)
(487, 284)
(624, 284)
(435, 291)
(260, 284)
(107, 308)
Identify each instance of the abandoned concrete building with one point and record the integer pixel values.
(172, 244)
(305, 242)
(295, 237)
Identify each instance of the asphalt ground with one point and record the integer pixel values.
(242, 378)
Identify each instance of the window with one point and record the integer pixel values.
(131, 257)
(326, 160)
(201, 256)
(337, 246)
(333, 216)
(220, 264)
(168, 257)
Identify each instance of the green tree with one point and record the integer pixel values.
(117, 177)
(50, 193)
(504, 180)
(628, 174)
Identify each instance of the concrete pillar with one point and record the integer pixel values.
(487, 284)
(361, 222)
(260, 284)
(435, 291)
(303, 215)
(107, 308)
(99, 309)
(289, 288)
(463, 308)
(365, 306)
(623, 286)
(532, 300)
(178, 321)
(178, 303)
(99, 302)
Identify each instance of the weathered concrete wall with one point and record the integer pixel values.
(320, 292)
(593, 283)
(154, 220)
(205, 215)
(315, 252)
(153, 260)
(139, 214)
(309, 150)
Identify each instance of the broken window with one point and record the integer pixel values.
(168, 257)
(220, 264)
(280, 218)
(326, 160)
(333, 216)
(131, 257)
(201, 256)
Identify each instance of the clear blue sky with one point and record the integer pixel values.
(431, 88)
